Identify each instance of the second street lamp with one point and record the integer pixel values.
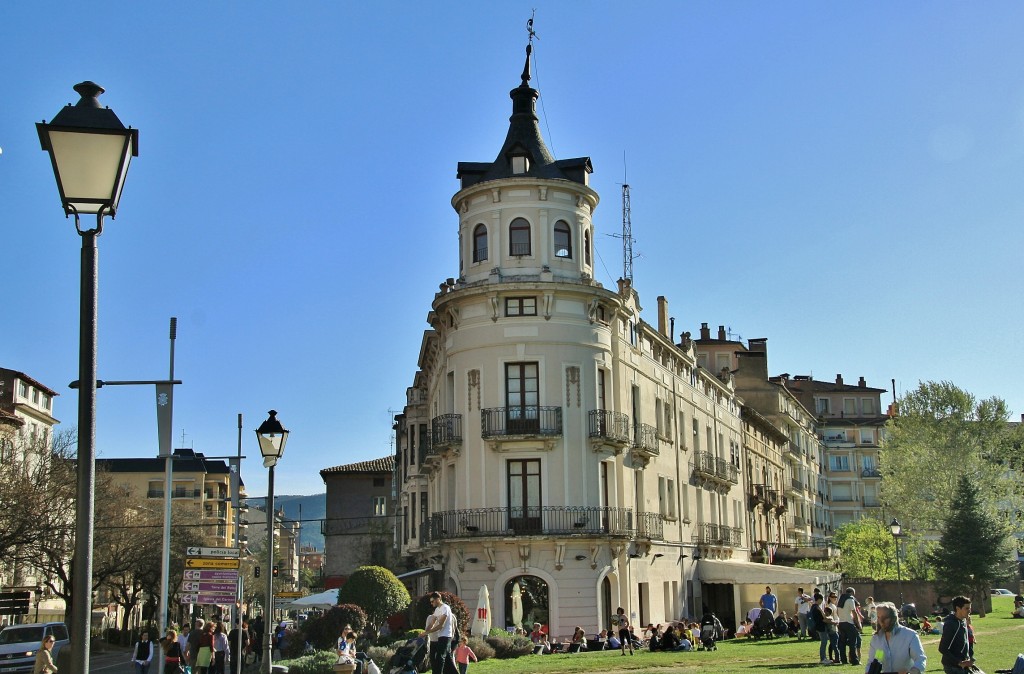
(90, 150)
(272, 437)
(897, 531)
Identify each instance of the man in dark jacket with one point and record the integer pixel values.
(955, 646)
(238, 637)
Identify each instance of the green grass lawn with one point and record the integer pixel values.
(999, 639)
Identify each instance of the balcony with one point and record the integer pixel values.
(219, 513)
(540, 521)
(155, 493)
(794, 450)
(872, 503)
(718, 535)
(766, 497)
(645, 441)
(795, 487)
(871, 472)
(609, 427)
(445, 432)
(650, 526)
(526, 421)
(186, 493)
(713, 472)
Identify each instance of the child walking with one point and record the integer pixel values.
(462, 655)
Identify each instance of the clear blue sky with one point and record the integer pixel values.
(845, 179)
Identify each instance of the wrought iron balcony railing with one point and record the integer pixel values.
(533, 521)
(650, 525)
(718, 534)
(711, 467)
(645, 439)
(445, 431)
(612, 426)
(871, 472)
(526, 420)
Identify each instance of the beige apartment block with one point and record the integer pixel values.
(286, 545)
(26, 427)
(798, 498)
(851, 425)
(201, 487)
(553, 440)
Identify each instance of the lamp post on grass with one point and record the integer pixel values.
(90, 150)
(897, 531)
(272, 437)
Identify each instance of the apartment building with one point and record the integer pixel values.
(359, 527)
(200, 486)
(556, 445)
(26, 408)
(798, 499)
(851, 425)
(286, 544)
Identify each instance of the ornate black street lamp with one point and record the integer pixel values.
(90, 150)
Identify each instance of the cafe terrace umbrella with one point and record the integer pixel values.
(517, 605)
(482, 622)
(326, 599)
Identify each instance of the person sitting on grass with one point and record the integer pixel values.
(669, 641)
(744, 629)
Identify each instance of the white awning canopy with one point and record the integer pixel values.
(409, 575)
(742, 573)
(325, 599)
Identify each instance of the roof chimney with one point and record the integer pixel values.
(839, 380)
(862, 383)
(758, 344)
(721, 332)
(705, 331)
(663, 315)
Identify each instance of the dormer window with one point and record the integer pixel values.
(520, 164)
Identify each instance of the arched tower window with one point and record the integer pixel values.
(563, 239)
(479, 243)
(586, 248)
(519, 237)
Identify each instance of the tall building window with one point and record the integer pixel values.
(479, 243)
(379, 553)
(586, 247)
(379, 506)
(867, 406)
(522, 397)
(821, 405)
(563, 239)
(519, 237)
(849, 407)
(524, 508)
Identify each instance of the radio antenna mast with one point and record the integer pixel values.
(627, 228)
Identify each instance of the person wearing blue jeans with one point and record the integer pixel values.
(817, 624)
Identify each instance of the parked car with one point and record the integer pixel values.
(1001, 593)
(19, 644)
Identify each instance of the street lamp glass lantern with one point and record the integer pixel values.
(895, 528)
(272, 437)
(90, 150)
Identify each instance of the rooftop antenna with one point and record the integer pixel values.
(627, 227)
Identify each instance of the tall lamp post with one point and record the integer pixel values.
(897, 530)
(272, 437)
(90, 150)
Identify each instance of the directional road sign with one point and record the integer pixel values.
(207, 586)
(211, 552)
(212, 574)
(210, 563)
(208, 598)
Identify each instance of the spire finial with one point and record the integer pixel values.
(529, 49)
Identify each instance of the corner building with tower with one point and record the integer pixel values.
(552, 439)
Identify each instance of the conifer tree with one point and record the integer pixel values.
(973, 551)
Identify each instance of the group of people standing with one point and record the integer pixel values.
(207, 648)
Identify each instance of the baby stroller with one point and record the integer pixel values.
(409, 657)
(707, 637)
(765, 624)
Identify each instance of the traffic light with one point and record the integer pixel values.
(276, 570)
(256, 572)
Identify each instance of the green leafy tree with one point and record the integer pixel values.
(377, 591)
(866, 549)
(973, 550)
(941, 433)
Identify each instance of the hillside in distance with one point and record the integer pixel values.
(314, 509)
